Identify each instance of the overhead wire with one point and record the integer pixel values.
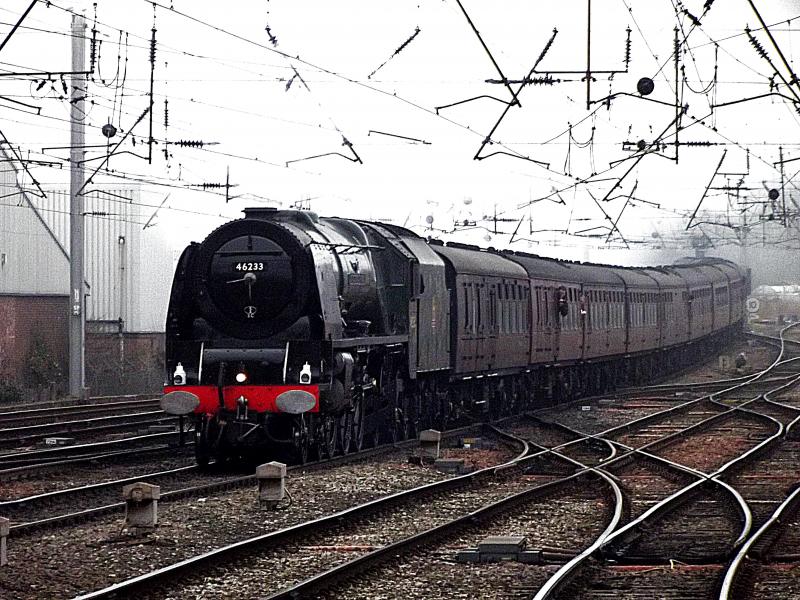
(381, 91)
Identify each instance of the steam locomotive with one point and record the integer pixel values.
(291, 332)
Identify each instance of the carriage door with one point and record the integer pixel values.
(586, 312)
(553, 319)
(687, 297)
(480, 324)
(490, 337)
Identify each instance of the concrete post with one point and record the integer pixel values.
(4, 529)
(429, 440)
(77, 318)
(141, 504)
(271, 483)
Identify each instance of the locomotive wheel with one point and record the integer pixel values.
(301, 439)
(357, 415)
(202, 454)
(429, 409)
(202, 449)
(376, 433)
(346, 432)
(505, 402)
(494, 406)
(328, 433)
(401, 422)
(397, 415)
(415, 410)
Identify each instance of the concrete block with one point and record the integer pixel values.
(59, 441)
(503, 544)
(500, 548)
(141, 504)
(429, 441)
(5, 527)
(455, 466)
(161, 428)
(271, 478)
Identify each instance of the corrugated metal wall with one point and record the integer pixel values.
(128, 268)
(31, 261)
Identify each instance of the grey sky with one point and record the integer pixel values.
(226, 83)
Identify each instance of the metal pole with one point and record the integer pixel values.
(588, 54)
(77, 317)
(677, 47)
(783, 188)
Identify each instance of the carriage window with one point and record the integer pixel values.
(501, 326)
(490, 312)
(538, 309)
(479, 320)
(466, 307)
(526, 308)
(547, 319)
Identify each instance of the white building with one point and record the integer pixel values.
(128, 277)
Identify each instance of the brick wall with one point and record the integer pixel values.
(128, 363)
(131, 363)
(26, 318)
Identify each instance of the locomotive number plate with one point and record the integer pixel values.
(248, 266)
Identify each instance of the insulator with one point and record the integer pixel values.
(209, 186)
(93, 50)
(153, 47)
(273, 40)
(756, 44)
(189, 143)
(166, 113)
(677, 45)
(407, 42)
(628, 48)
(547, 46)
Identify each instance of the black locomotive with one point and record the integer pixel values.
(290, 331)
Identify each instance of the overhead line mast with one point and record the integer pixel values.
(77, 316)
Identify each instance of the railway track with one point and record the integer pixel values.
(596, 578)
(86, 429)
(548, 481)
(182, 524)
(39, 469)
(563, 474)
(77, 504)
(713, 506)
(32, 414)
(456, 503)
(91, 451)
